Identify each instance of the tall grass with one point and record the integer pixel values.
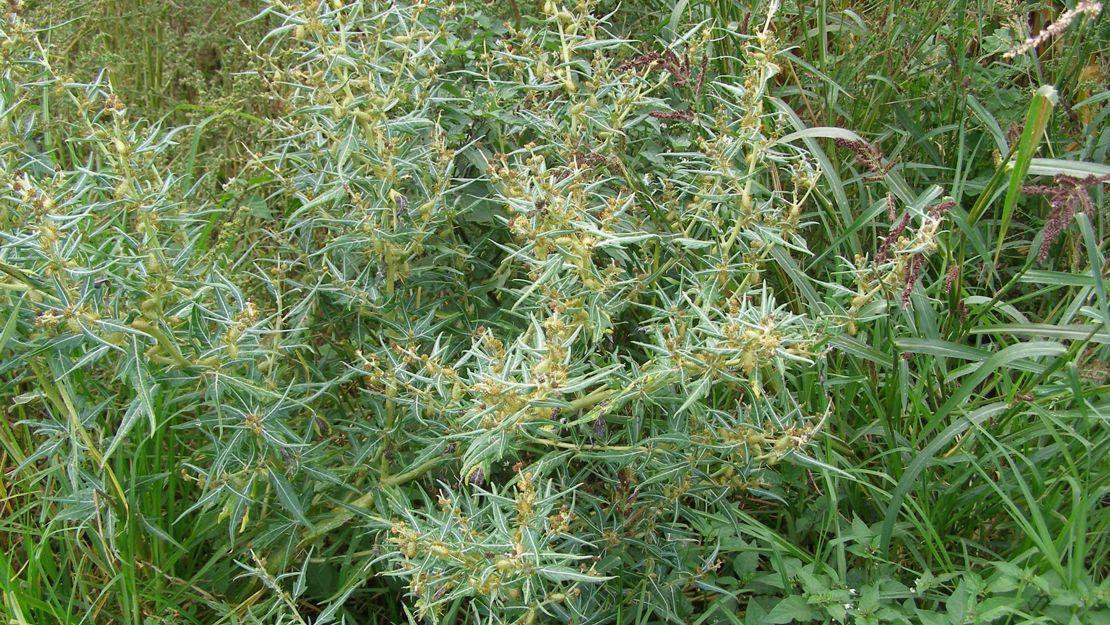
(718, 312)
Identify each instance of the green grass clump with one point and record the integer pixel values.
(544, 312)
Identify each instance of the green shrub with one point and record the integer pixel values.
(523, 318)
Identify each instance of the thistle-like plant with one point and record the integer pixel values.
(517, 320)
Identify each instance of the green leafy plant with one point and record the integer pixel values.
(546, 314)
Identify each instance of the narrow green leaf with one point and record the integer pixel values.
(159, 532)
(991, 124)
(288, 497)
(1094, 257)
(813, 463)
(134, 412)
(859, 349)
(1079, 169)
(1056, 278)
(9, 325)
(567, 574)
(145, 388)
(1036, 120)
(1071, 332)
(800, 279)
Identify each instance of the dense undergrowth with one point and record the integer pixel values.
(387, 312)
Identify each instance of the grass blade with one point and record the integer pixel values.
(1036, 120)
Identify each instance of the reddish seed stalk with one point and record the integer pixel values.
(1065, 196)
(891, 237)
(867, 154)
(686, 115)
(916, 263)
(950, 278)
(939, 209)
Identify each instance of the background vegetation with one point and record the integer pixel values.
(594, 312)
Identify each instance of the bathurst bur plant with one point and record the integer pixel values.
(487, 275)
(508, 318)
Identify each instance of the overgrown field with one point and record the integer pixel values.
(554, 311)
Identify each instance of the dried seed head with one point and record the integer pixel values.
(1056, 28)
